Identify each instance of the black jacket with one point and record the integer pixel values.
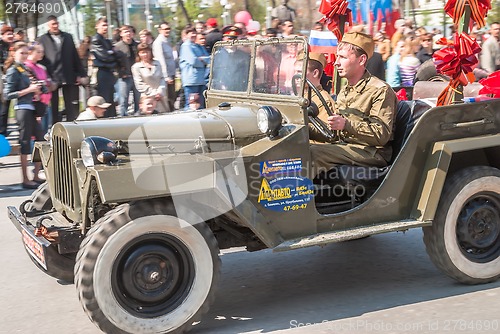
(62, 66)
(4, 53)
(211, 38)
(104, 55)
(126, 54)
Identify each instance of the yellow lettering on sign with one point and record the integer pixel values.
(268, 194)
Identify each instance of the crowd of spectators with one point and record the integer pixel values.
(137, 73)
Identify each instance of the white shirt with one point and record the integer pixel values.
(86, 115)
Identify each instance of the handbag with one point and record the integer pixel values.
(40, 108)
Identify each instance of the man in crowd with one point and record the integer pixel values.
(231, 60)
(64, 68)
(7, 38)
(426, 51)
(287, 29)
(490, 54)
(105, 60)
(365, 111)
(96, 107)
(127, 48)
(163, 52)
(213, 34)
(283, 12)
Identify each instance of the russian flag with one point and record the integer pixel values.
(322, 42)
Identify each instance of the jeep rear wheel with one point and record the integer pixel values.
(464, 239)
(142, 270)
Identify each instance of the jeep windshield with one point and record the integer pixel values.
(259, 66)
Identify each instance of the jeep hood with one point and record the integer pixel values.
(213, 129)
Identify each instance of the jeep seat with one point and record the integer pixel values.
(371, 177)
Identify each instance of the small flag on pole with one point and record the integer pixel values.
(323, 42)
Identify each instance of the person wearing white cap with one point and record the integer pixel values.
(96, 107)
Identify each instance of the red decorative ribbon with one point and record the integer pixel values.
(456, 60)
(329, 67)
(491, 85)
(456, 8)
(332, 11)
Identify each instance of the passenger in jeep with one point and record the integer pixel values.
(314, 71)
(364, 111)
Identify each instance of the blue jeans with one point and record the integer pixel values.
(125, 86)
(188, 90)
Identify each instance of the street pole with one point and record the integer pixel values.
(108, 17)
(126, 17)
(147, 13)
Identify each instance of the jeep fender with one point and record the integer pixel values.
(207, 186)
(437, 168)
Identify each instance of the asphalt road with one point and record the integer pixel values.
(382, 284)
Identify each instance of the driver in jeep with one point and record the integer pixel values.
(364, 111)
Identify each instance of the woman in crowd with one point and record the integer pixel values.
(409, 63)
(39, 73)
(392, 75)
(18, 85)
(146, 37)
(148, 77)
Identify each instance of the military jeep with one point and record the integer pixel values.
(135, 210)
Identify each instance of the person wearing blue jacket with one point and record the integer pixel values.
(193, 62)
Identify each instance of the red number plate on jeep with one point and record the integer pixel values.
(35, 248)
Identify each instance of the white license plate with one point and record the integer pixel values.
(35, 248)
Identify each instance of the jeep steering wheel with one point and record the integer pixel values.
(313, 117)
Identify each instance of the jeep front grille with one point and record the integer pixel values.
(63, 172)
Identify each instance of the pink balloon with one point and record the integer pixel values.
(243, 17)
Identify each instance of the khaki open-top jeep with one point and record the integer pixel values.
(135, 210)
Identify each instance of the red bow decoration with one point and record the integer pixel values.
(456, 61)
(401, 95)
(332, 11)
(456, 8)
(329, 67)
(491, 85)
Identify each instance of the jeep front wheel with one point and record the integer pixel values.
(153, 273)
(464, 239)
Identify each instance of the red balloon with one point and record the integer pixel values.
(243, 17)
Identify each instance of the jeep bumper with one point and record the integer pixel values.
(36, 246)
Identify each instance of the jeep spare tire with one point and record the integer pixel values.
(427, 72)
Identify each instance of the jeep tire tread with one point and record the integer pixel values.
(464, 239)
(140, 269)
(40, 199)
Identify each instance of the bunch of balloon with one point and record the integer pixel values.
(4, 146)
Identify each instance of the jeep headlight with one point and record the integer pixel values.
(269, 120)
(98, 150)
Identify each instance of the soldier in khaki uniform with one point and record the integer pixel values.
(315, 66)
(365, 111)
